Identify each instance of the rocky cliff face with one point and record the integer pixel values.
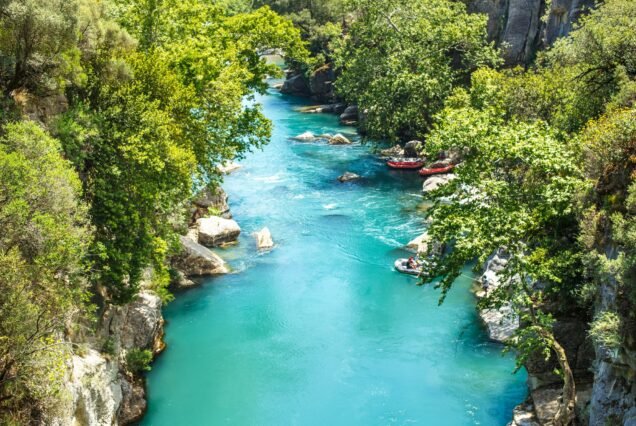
(100, 390)
(522, 27)
(614, 389)
(318, 85)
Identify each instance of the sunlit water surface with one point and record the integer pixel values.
(322, 330)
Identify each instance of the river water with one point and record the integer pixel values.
(322, 330)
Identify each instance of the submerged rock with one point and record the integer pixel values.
(348, 176)
(215, 231)
(318, 109)
(196, 260)
(264, 239)
(437, 181)
(339, 139)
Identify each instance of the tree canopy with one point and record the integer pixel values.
(45, 235)
(400, 60)
(136, 103)
(547, 177)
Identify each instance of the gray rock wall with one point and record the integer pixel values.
(518, 28)
(99, 389)
(614, 389)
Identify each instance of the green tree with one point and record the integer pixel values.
(150, 122)
(608, 234)
(401, 59)
(36, 42)
(42, 287)
(602, 49)
(516, 190)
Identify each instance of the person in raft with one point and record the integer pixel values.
(411, 263)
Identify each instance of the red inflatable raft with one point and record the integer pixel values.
(405, 163)
(436, 170)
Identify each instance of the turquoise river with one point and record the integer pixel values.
(322, 330)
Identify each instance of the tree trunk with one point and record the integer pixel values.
(565, 414)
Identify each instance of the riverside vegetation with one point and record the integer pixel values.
(137, 102)
(113, 113)
(547, 170)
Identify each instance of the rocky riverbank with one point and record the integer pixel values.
(604, 378)
(103, 386)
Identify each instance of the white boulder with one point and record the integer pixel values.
(215, 231)
(95, 392)
(339, 139)
(264, 239)
(196, 260)
(419, 244)
(437, 181)
(307, 136)
(228, 167)
(503, 322)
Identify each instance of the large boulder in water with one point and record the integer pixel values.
(134, 404)
(228, 167)
(140, 323)
(339, 139)
(296, 84)
(264, 239)
(339, 108)
(501, 324)
(215, 231)
(412, 149)
(321, 83)
(421, 244)
(349, 115)
(306, 136)
(196, 260)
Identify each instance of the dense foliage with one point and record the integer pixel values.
(145, 100)
(401, 59)
(114, 112)
(320, 22)
(547, 179)
(45, 235)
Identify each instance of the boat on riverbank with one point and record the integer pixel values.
(405, 163)
(430, 171)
